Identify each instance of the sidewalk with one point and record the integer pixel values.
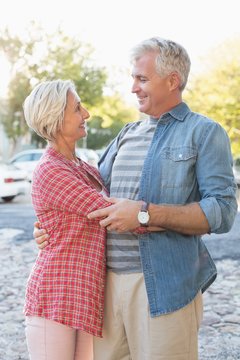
(220, 331)
(219, 335)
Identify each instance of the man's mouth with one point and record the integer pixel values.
(141, 100)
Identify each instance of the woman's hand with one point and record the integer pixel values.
(40, 236)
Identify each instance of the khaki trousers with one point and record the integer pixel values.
(49, 340)
(131, 334)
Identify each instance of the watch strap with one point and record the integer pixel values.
(144, 206)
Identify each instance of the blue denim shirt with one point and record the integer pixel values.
(189, 160)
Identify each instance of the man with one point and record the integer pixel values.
(173, 172)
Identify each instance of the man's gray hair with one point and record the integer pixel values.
(172, 57)
(44, 107)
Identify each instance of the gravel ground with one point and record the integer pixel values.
(220, 332)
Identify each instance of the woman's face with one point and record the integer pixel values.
(75, 116)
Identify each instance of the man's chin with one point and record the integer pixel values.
(142, 108)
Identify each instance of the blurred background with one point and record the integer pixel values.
(89, 42)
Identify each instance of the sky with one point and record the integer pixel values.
(113, 27)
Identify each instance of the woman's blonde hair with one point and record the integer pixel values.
(44, 107)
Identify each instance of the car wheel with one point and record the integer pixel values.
(8, 198)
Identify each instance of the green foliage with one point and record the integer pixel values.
(216, 92)
(39, 57)
(107, 120)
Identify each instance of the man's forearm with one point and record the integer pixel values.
(186, 219)
(122, 216)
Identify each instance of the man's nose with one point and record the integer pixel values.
(134, 88)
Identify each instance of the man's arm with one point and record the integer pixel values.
(186, 219)
(121, 216)
(41, 236)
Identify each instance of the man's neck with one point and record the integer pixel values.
(166, 109)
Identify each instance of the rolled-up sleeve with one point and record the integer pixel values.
(215, 178)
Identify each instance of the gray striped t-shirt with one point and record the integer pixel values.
(123, 249)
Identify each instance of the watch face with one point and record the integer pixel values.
(143, 217)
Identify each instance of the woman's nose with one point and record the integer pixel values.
(86, 114)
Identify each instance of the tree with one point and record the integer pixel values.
(107, 120)
(14, 123)
(216, 91)
(38, 57)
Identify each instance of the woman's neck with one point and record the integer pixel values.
(66, 149)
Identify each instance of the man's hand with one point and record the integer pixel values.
(40, 236)
(121, 216)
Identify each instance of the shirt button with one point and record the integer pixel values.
(180, 156)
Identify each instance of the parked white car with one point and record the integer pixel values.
(88, 155)
(100, 151)
(27, 160)
(13, 182)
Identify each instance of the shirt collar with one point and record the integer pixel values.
(179, 112)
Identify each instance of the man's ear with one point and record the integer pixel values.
(174, 81)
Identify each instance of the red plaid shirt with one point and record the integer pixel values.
(67, 281)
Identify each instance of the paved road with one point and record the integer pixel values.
(18, 216)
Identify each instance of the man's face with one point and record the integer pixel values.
(152, 91)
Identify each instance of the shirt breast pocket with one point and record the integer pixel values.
(178, 167)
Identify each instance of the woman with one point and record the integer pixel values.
(65, 290)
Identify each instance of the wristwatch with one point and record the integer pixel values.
(143, 215)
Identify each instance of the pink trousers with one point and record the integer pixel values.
(49, 340)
